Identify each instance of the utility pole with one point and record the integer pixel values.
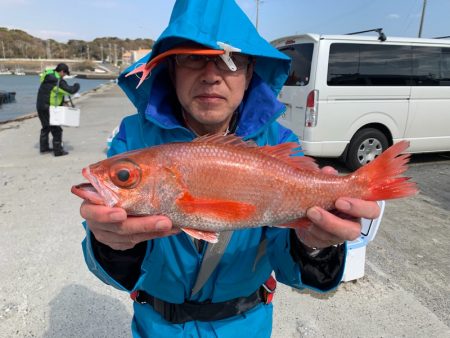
(88, 53)
(49, 51)
(3, 48)
(257, 14)
(101, 51)
(115, 55)
(422, 17)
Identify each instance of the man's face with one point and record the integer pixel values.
(209, 96)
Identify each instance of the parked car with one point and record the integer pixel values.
(352, 96)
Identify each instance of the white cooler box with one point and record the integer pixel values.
(64, 116)
(356, 250)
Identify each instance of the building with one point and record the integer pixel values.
(132, 56)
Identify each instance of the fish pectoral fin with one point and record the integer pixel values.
(209, 236)
(225, 210)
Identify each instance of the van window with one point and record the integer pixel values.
(369, 65)
(445, 65)
(431, 66)
(301, 55)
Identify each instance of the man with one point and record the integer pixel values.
(197, 87)
(51, 92)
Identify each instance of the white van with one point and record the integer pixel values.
(352, 96)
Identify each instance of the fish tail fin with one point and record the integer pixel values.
(381, 177)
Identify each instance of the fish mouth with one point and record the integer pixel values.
(87, 192)
(94, 191)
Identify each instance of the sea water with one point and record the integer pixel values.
(26, 88)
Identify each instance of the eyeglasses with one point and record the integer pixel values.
(197, 62)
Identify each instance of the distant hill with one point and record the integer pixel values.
(15, 43)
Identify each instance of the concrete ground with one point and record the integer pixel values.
(46, 290)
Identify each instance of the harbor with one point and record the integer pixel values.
(26, 88)
(47, 291)
(81, 68)
(19, 81)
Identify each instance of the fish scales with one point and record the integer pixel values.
(226, 173)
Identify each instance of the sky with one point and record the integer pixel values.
(89, 19)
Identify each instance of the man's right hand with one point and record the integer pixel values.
(113, 227)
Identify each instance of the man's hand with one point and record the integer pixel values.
(330, 228)
(112, 226)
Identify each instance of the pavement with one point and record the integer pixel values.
(47, 291)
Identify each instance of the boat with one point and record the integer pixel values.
(5, 71)
(19, 71)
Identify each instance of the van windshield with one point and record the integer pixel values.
(301, 55)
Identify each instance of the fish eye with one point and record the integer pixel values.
(125, 174)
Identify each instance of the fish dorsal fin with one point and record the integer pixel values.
(285, 152)
(229, 139)
(288, 153)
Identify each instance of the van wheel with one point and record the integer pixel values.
(364, 147)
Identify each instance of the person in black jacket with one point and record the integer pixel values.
(51, 92)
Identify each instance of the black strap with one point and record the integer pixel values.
(71, 103)
(202, 311)
(56, 94)
(57, 90)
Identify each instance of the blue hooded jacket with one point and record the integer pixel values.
(170, 265)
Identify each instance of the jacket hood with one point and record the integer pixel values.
(209, 23)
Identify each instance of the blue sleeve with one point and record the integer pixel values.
(92, 263)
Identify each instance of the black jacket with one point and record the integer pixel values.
(50, 81)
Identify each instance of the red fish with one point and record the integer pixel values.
(218, 183)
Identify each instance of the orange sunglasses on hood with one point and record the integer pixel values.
(147, 68)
